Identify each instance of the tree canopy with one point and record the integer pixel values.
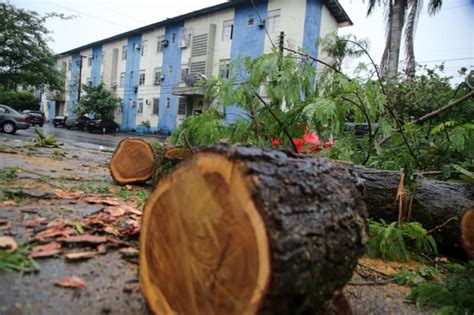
(25, 58)
(98, 101)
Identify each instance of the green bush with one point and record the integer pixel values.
(19, 100)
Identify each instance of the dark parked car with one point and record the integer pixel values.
(59, 121)
(77, 122)
(11, 120)
(35, 117)
(103, 125)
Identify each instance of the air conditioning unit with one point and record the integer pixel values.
(183, 43)
(262, 23)
(162, 77)
(137, 46)
(165, 43)
(114, 84)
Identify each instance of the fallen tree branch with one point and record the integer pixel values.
(444, 108)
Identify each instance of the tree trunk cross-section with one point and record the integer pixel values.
(132, 162)
(250, 231)
(136, 161)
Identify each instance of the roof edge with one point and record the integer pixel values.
(334, 7)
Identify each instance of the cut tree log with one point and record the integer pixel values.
(443, 208)
(246, 231)
(136, 161)
(132, 162)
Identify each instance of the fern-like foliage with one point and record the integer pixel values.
(399, 242)
(207, 128)
(454, 295)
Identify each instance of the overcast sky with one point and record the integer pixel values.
(447, 36)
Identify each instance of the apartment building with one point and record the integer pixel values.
(153, 68)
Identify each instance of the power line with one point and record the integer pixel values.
(87, 14)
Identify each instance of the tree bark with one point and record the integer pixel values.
(246, 231)
(443, 208)
(395, 29)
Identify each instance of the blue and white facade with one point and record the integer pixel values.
(152, 69)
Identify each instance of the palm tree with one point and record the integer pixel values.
(401, 14)
(339, 47)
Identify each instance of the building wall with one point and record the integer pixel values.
(132, 69)
(312, 26)
(96, 65)
(150, 60)
(328, 25)
(248, 41)
(170, 68)
(293, 14)
(302, 21)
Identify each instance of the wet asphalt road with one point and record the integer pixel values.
(79, 138)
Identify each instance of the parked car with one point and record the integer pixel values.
(77, 122)
(35, 117)
(103, 125)
(11, 120)
(59, 121)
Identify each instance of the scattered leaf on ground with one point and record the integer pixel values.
(85, 238)
(115, 211)
(101, 200)
(9, 243)
(71, 282)
(8, 203)
(33, 222)
(80, 255)
(129, 252)
(46, 250)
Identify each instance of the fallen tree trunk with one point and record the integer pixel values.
(443, 208)
(136, 161)
(245, 231)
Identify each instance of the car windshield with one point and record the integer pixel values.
(11, 110)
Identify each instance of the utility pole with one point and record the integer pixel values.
(80, 77)
(281, 42)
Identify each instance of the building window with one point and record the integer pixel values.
(140, 106)
(168, 102)
(173, 38)
(251, 21)
(228, 30)
(184, 72)
(143, 48)
(89, 60)
(170, 70)
(156, 106)
(182, 106)
(102, 57)
(69, 65)
(273, 21)
(141, 80)
(124, 52)
(157, 80)
(122, 79)
(224, 68)
(159, 47)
